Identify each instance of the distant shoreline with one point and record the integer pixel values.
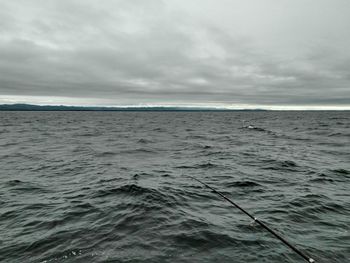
(31, 107)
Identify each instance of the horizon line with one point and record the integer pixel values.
(185, 107)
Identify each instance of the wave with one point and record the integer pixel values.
(9, 144)
(308, 200)
(207, 165)
(158, 129)
(125, 189)
(338, 134)
(209, 239)
(243, 184)
(138, 175)
(144, 141)
(321, 180)
(207, 147)
(20, 155)
(341, 171)
(278, 165)
(258, 129)
(22, 186)
(105, 154)
(147, 196)
(204, 238)
(139, 150)
(89, 134)
(328, 208)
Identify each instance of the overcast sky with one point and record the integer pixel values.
(293, 53)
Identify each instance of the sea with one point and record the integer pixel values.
(117, 186)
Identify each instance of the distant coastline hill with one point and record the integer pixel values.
(30, 107)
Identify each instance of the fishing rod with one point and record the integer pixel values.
(308, 259)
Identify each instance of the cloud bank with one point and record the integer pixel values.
(198, 52)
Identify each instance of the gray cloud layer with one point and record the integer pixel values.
(157, 52)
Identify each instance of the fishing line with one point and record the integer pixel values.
(278, 236)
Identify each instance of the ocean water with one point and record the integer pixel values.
(113, 186)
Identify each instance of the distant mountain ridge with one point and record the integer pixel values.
(30, 107)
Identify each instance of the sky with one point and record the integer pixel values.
(275, 54)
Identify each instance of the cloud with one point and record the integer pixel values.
(161, 52)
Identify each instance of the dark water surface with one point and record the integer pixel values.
(112, 186)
